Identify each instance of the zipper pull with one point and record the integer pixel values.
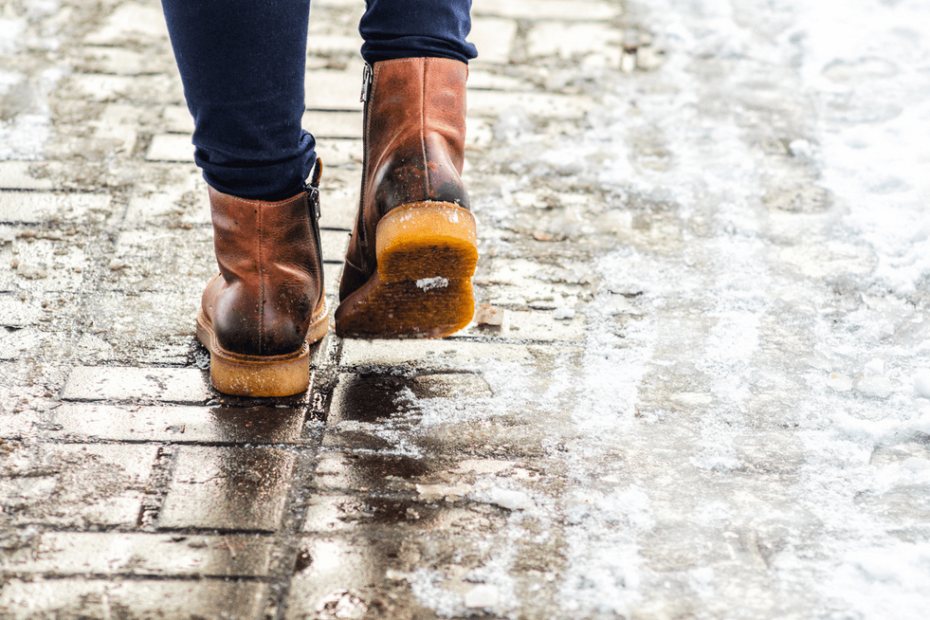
(367, 77)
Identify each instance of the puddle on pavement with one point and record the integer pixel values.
(376, 397)
(261, 424)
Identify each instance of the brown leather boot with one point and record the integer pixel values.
(259, 314)
(410, 261)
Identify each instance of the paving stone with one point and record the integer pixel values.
(364, 471)
(479, 136)
(19, 425)
(158, 259)
(49, 207)
(171, 147)
(380, 412)
(329, 124)
(92, 553)
(332, 274)
(254, 425)
(178, 600)
(367, 514)
(339, 196)
(537, 325)
(177, 119)
(143, 328)
(49, 310)
(329, 89)
(141, 89)
(350, 576)
(33, 343)
(116, 129)
(548, 9)
(119, 61)
(436, 354)
(369, 398)
(570, 41)
(482, 77)
(373, 577)
(129, 23)
(334, 244)
(75, 485)
(491, 103)
(228, 488)
(44, 261)
(494, 39)
(180, 385)
(328, 44)
(523, 282)
(21, 175)
(340, 153)
(175, 197)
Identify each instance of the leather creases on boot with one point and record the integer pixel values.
(261, 312)
(413, 252)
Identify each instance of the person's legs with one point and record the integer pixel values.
(242, 64)
(413, 28)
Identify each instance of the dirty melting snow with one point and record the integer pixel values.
(760, 423)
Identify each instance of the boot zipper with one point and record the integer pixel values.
(367, 75)
(313, 195)
(367, 80)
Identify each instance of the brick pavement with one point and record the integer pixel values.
(130, 488)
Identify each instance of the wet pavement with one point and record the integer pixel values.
(697, 385)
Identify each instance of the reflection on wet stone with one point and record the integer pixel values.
(337, 470)
(347, 579)
(229, 488)
(263, 424)
(71, 599)
(368, 398)
(99, 553)
(338, 513)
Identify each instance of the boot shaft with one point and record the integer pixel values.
(271, 278)
(415, 133)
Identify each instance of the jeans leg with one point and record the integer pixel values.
(242, 64)
(414, 28)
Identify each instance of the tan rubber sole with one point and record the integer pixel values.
(427, 253)
(261, 376)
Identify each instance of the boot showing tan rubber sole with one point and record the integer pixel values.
(427, 253)
(261, 376)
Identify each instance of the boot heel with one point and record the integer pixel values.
(262, 376)
(427, 241)
(239, 376)
(427, 253)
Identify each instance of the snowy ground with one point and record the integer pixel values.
(742, 429)
(750, 429)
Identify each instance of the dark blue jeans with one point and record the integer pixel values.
(242, 63)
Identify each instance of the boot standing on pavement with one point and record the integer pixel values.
(413, 251)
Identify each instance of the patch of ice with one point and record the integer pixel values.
(484, 596)
(839, 382)
(509, 499)
(563, 314)
(922, 383)
(875, 367)
(874, 386)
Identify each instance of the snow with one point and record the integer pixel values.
(482, 597)
(739, 422)
(428, 284)
(922, 382)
